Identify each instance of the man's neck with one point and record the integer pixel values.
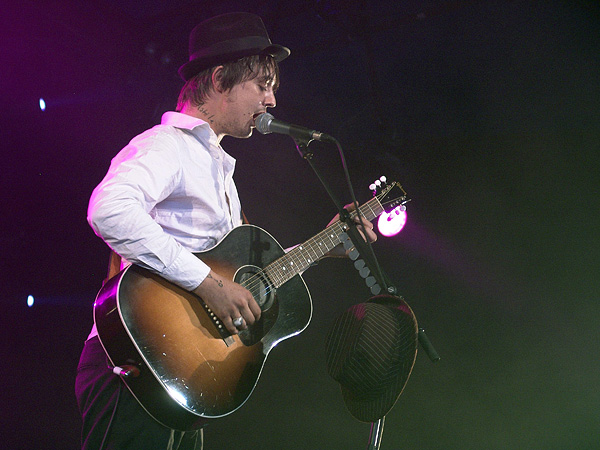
(203, 112)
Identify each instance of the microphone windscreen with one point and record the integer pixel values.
(262, 123)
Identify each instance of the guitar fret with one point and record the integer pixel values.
(275, 273)
(301, 251)
(371, 210)
(301, 257)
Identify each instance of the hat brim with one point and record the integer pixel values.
(193, 67)
(371, 409)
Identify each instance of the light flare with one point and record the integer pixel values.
(390, 224)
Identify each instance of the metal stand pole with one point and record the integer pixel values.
(376, 434)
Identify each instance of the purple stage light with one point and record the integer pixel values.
(42, 104)
(390, 224)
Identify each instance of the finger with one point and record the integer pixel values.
(248, 317)
(249, 308)
(364, 226)
(368, 234)
(230, 326)
(363, 221)
(241, 326)
(372, 235)
(254, 309)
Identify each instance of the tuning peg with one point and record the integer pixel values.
(378, 184)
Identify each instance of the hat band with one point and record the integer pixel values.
(257, 43)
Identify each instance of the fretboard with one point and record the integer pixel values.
(301, 257)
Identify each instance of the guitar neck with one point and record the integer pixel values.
(302, 256)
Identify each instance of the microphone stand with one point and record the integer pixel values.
(364, 249)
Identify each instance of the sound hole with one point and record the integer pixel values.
(253, 279)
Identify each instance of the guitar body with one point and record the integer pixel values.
(190, 369)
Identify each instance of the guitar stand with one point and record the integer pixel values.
(354, 242)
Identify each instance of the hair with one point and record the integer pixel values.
(197, 89)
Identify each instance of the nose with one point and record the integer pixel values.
(270, 101)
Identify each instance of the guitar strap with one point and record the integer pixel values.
(114, 266)
(114, 260)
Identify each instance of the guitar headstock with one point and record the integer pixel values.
(390, 195)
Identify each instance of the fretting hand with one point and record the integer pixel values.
(364, 227)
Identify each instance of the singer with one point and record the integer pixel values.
(170, 192)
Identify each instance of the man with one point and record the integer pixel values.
(169, 193)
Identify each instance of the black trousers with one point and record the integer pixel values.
(112, 417)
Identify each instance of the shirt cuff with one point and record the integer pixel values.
(187, 271)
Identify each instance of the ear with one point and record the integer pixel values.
(216, 77)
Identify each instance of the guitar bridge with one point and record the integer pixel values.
(225, 335)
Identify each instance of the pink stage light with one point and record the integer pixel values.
(390, 224)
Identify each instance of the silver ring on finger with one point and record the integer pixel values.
(238, 322)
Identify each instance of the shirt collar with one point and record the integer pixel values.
(186, 122)
(202, 130)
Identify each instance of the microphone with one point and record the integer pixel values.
(266, 123)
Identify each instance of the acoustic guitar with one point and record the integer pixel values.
(174, 354)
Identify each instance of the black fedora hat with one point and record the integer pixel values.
(371, 350)
(228, 37)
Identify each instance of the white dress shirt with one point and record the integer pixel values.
(168, 193)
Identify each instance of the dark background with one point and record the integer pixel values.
(486, 111)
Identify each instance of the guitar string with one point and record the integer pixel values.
(277, 269)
